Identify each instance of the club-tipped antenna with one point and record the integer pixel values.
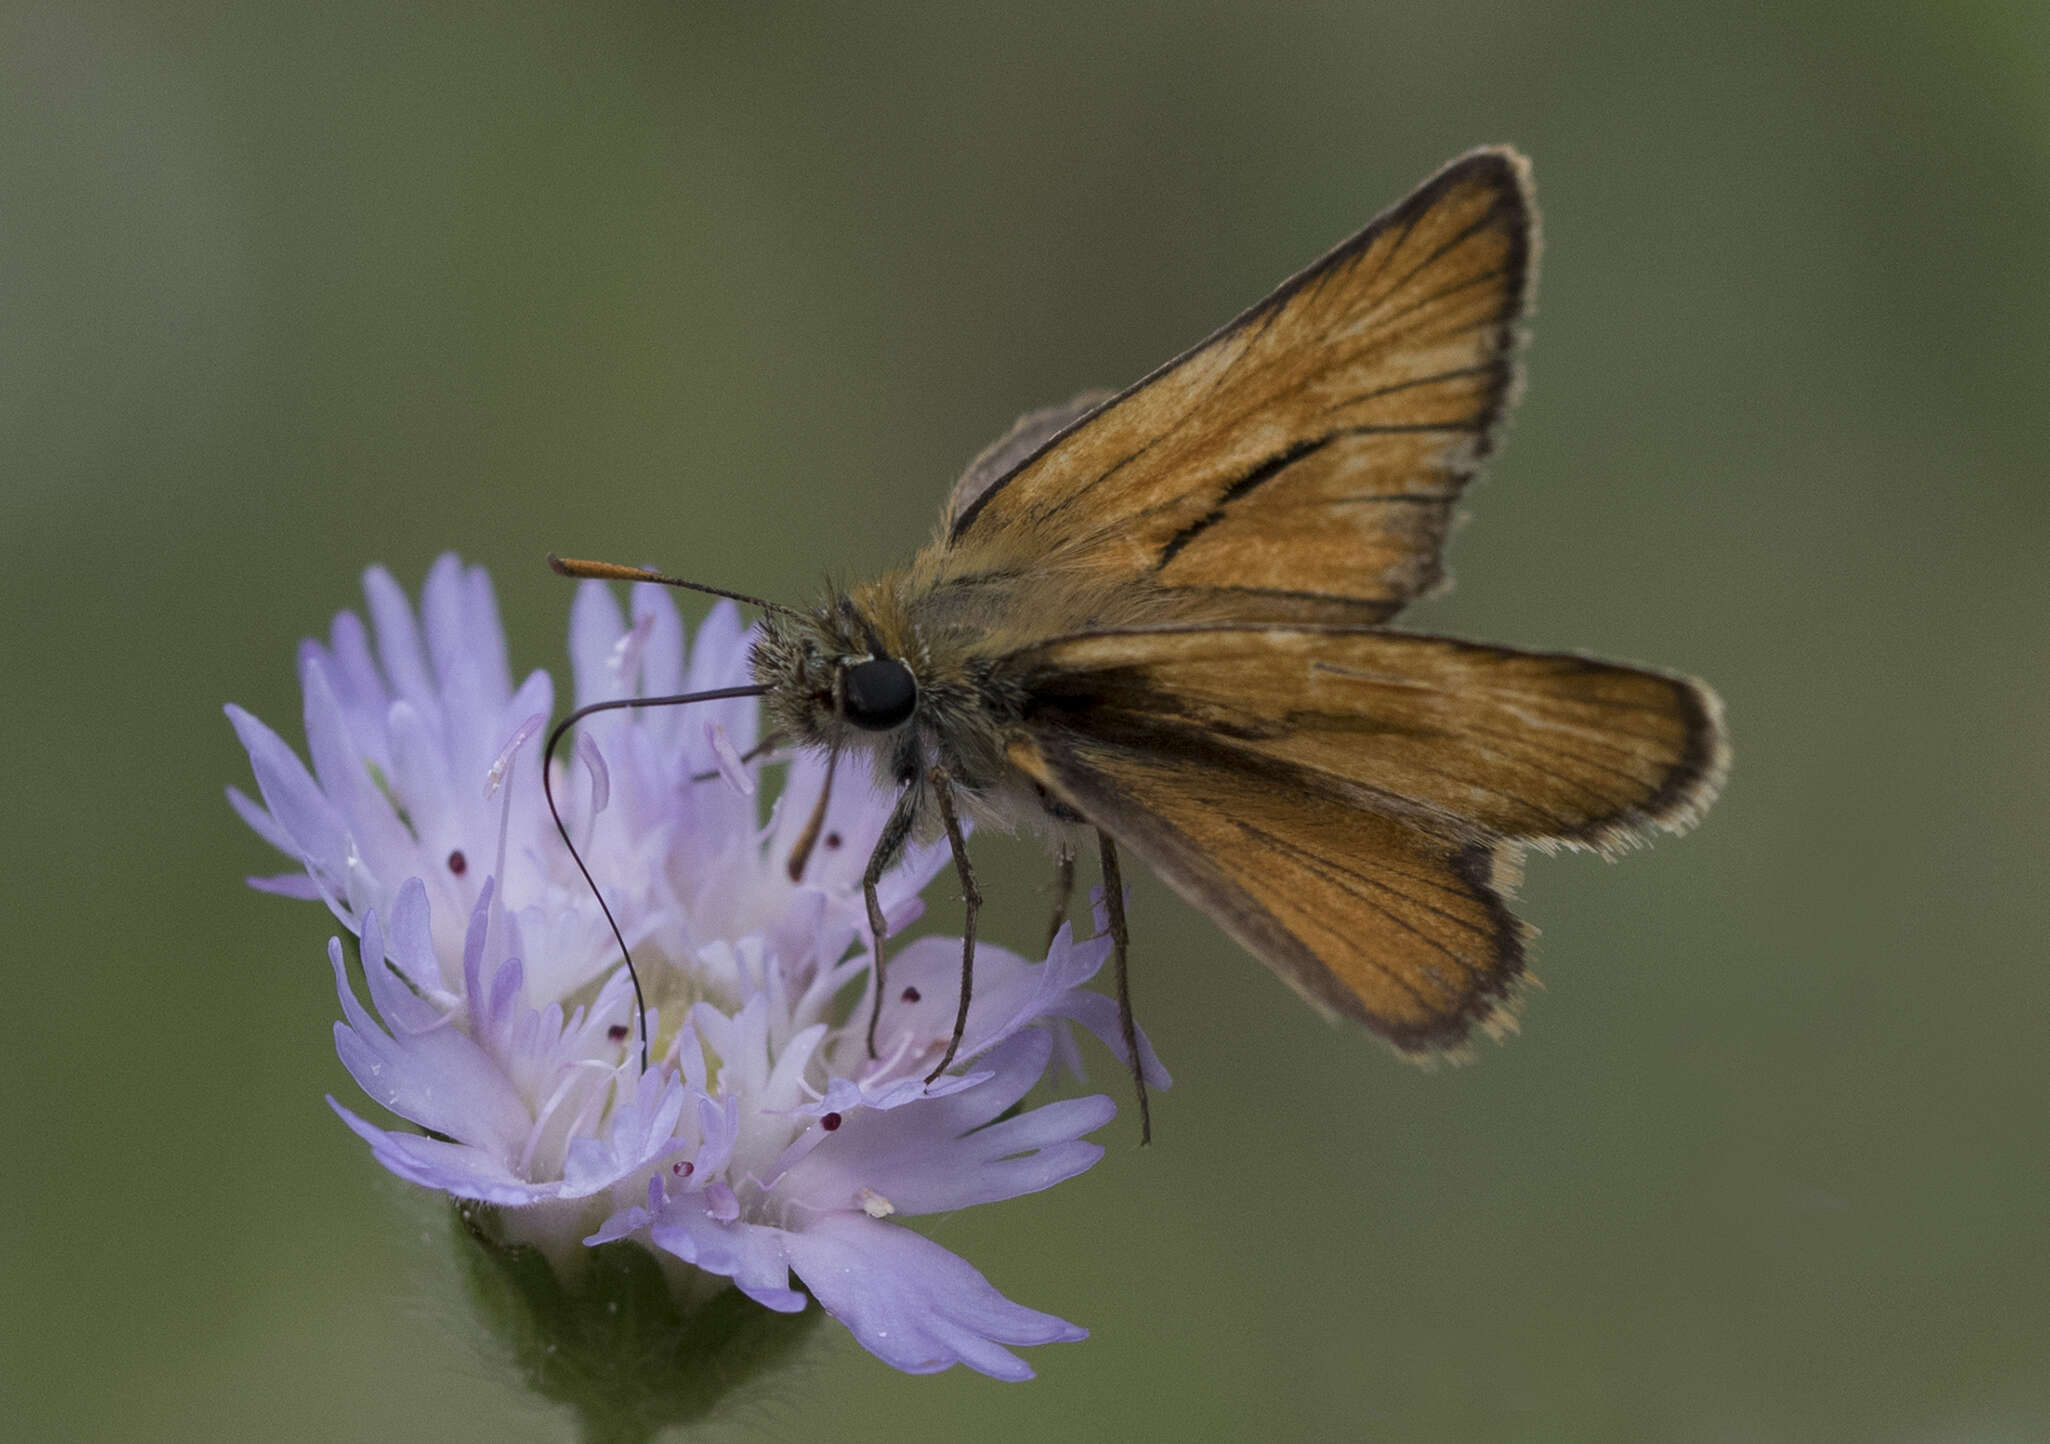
(613, 572)
(618, 704)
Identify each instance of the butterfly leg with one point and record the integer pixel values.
(972, 897)
(888, 845)
(1120, 940)
(1063, 890)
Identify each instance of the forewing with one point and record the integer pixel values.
(1028, 434)
(1365, 916)
(1473, 742)
(1302, 463)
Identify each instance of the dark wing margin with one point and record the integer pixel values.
(1366, 917)
(1303, 462)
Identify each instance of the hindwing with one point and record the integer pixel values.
(1350, 803)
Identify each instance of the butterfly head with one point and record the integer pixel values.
(831, 670)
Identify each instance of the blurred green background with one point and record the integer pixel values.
(285, 290)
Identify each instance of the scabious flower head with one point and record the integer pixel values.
(762, 1140)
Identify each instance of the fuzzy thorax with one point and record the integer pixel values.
(961, 721)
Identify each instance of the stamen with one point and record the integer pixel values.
(722, 1203)
(901, 1050)
(494, 778)
(731, 765)
(545, 1114)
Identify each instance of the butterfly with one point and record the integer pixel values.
(1158, 620)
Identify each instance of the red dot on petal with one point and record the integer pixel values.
(833, 841)
(912, 995)
(617, 1032)
(830, 1122)
(457, 863)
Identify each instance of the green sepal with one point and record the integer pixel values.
(615, 1345)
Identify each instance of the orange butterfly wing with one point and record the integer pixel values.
(1351, 803)
(1366, 917)
(1184, 583)
(1302, 463)
(1473, 741)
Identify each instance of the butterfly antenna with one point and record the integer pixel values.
(548, 791)
(613, 572)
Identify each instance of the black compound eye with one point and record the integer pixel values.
(881, 693)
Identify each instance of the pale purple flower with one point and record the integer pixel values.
(764, 1140)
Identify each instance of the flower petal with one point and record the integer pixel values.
(260, 822)
(440, 1080)
(299, 808)
(749, 1254)
(500, 1018)
(595, 625)
(941, 1153)
(292, 885)
(913, 1304)
(457, 1168)
(398, 642)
